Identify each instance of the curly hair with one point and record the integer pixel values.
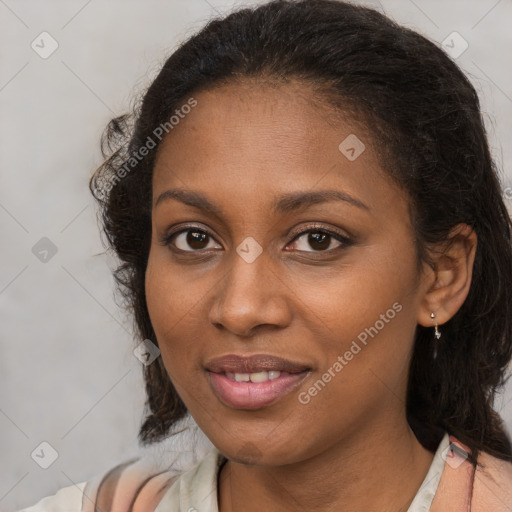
(423, 113)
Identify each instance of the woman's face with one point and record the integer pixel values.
(255, 187)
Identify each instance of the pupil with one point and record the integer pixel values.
(195, 239)
(317, 240)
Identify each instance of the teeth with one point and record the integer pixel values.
(254, 377)
(259, 377)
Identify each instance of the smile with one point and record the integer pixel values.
(252, 395)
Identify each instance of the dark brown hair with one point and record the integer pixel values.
(425, 117)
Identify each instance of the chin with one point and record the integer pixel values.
(259, 452)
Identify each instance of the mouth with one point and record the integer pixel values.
(254, 382)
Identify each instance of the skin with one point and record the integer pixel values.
(350, 447)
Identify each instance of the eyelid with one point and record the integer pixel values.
(345, 237)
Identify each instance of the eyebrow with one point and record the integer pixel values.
(287, 203)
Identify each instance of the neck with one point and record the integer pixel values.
(378, 470)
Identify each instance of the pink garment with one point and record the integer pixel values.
(491, 482)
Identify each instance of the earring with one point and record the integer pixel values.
(437, 333)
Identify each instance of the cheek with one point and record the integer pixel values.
(367, 313)
(170, 305)
(176, 306)
(353, 298)
(179, 299)
(173, 294)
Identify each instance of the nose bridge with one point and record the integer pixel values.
(249, 295)
(248, 276)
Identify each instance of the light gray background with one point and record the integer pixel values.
(68, 375)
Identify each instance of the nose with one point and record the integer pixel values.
(250, 295)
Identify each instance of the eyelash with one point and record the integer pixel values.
(166, 240)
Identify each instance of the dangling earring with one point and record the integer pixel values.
(437, 333)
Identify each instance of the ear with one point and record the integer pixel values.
(447, 283)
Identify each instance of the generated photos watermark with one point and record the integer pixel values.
(343, 360)
(151, 142)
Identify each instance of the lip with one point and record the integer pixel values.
(254, 395)
(234, 363)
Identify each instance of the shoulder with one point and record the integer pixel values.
(493, 484)
(135, 485)
(486, 488)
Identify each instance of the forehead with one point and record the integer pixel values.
(249, 137)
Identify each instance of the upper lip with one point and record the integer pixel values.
(234, 363)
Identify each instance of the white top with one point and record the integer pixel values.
(196, 489)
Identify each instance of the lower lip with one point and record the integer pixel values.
(253, 395)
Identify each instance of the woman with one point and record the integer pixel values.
(311, 231)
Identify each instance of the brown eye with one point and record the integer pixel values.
(191, 240)
(316, 240)
(319, 240)
(196, 239)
